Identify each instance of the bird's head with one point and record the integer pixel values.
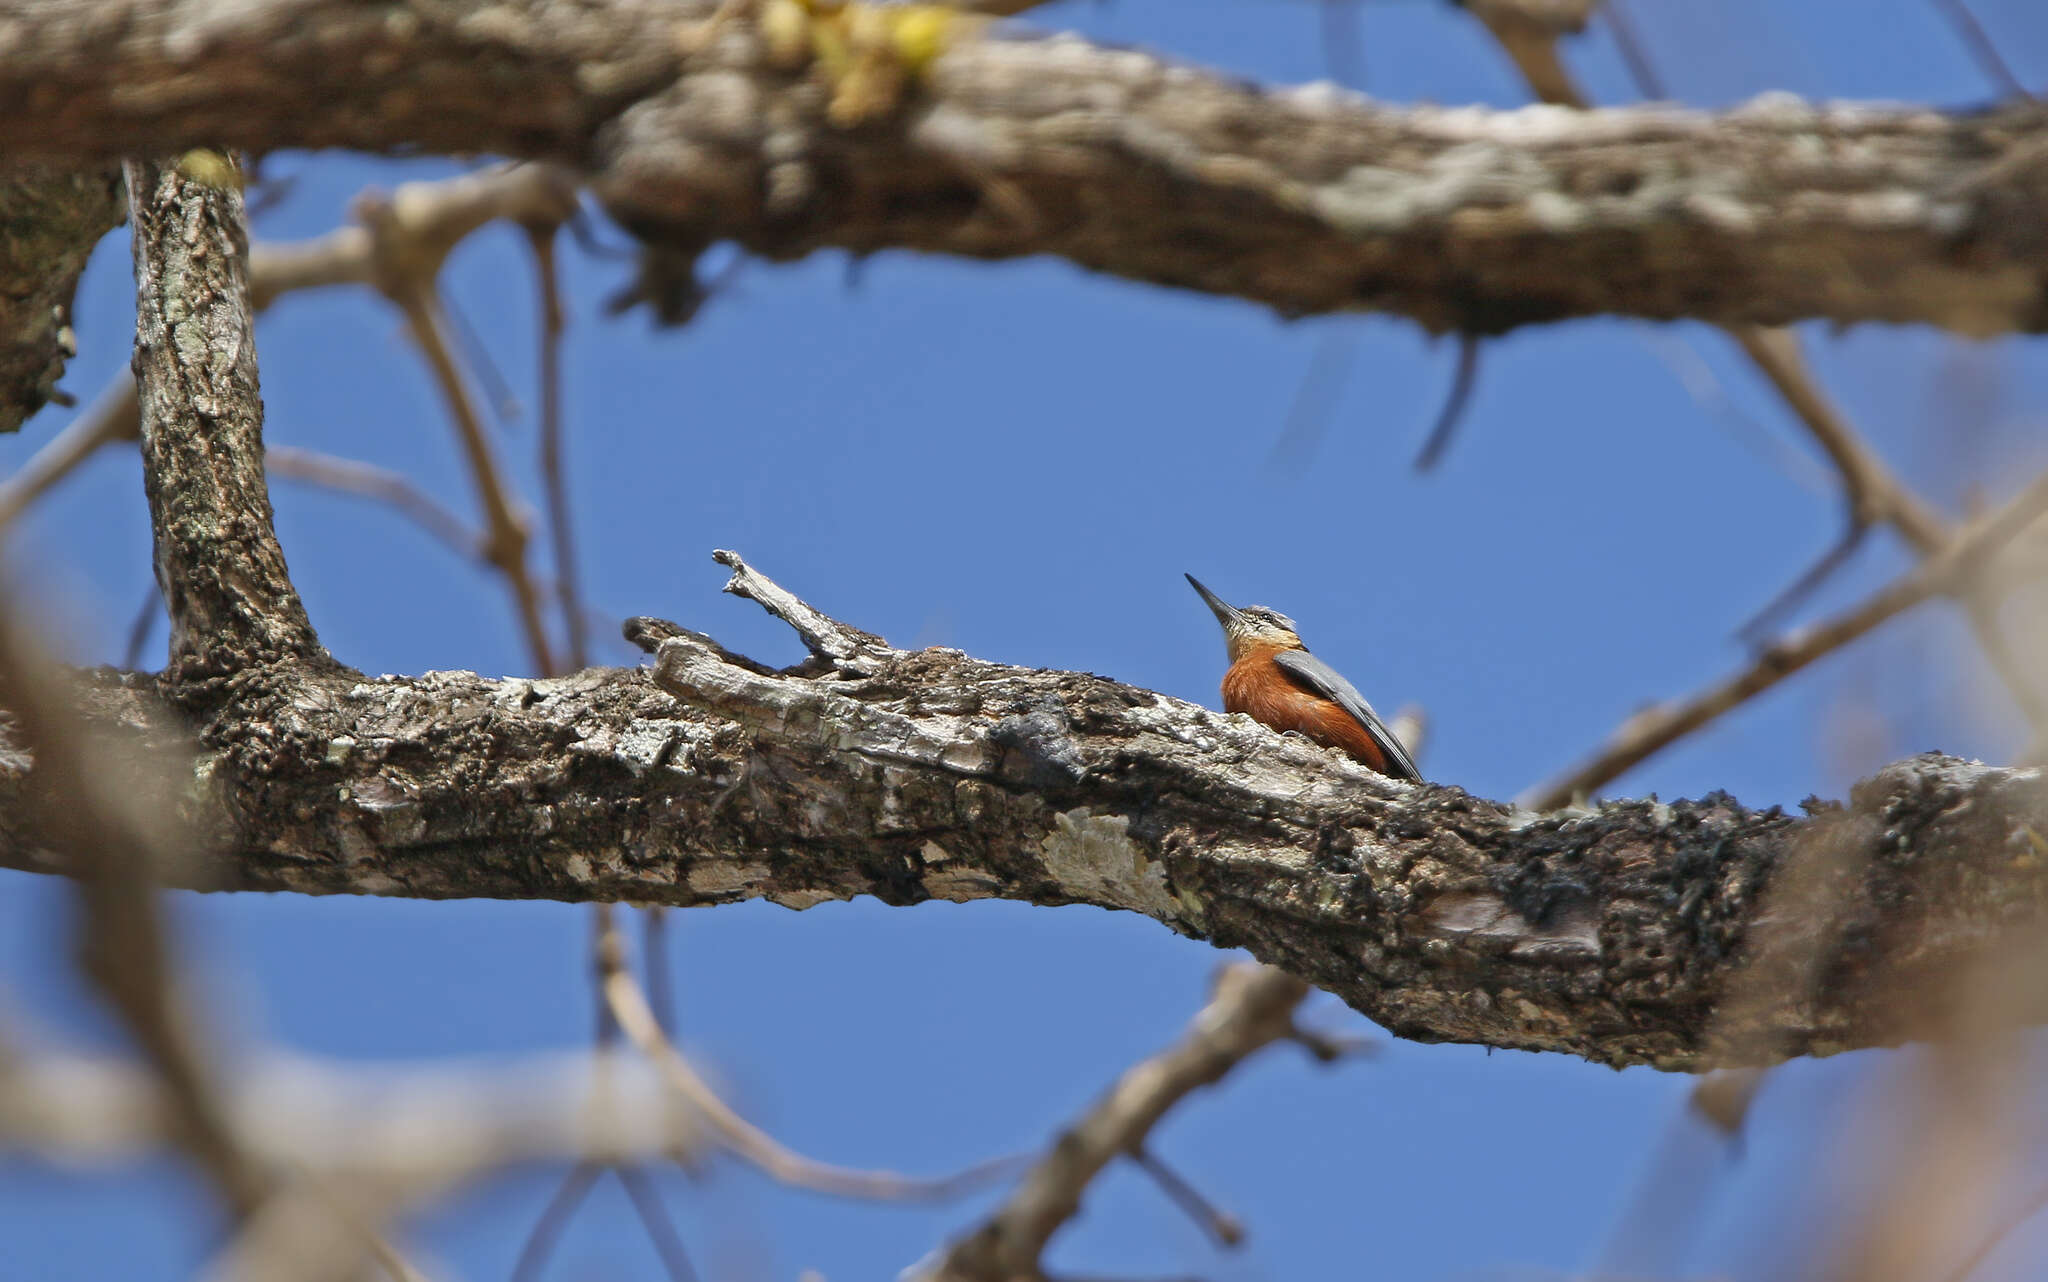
(1247, 626)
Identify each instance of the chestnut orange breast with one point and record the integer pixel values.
(1259, 687)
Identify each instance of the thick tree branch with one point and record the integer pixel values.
(218, 563)
(1309, 200)
(1611, 933)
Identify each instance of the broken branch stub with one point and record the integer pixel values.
(843, 646)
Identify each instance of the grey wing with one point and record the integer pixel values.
(1325, 681)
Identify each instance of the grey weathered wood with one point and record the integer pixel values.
(232, 605)
(1305, 200)
(1614, 933)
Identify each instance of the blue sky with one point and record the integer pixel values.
(1021, 460)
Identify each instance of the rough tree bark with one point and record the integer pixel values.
(1615, 933)
(1624, 933)
(50, 218)
(1305, 200)
(218, 564)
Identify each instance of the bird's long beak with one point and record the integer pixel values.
(1226, 613)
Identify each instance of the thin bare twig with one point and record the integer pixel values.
(396, 490)
(498, 393)
(1708, 391)
(115, 416)
(401, 243)
(505, 544)
(628, 1004)
(1766, 620)
(1222, 1227)
(1948, 571)
(433, 217)
(1343, 51)
(548, 1225)
(583, 1176)
(654, 1217)
(1981, 46)
(1251, 1008)
(1463, 375)
(1633, 52)
(553, 461)
(367, 480)
(1315, 398)
(661, 995)
(576, 1185)
(1873, 495)
(428, 218)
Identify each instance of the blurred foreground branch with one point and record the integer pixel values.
(409, 1132)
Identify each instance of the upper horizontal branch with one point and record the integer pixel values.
(1307, 200)
(1621, 934)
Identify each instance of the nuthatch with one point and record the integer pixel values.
(1273, 677)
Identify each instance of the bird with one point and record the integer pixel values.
(1274, 678)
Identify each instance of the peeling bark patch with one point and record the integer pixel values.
(1093, 857)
